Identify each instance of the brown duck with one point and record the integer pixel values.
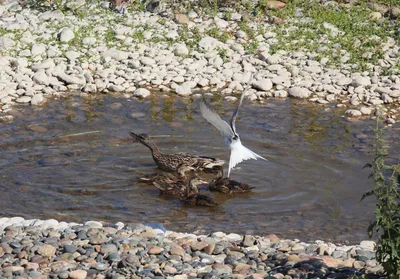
(198, 200)
(227, 185)
(173, 184)
(180, 185)
(192, 196)
(173, 162)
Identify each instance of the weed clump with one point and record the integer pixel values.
(387, 212)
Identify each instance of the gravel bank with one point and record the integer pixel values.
(93, 49)
(43, 248)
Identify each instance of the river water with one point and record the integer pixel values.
(73, 160)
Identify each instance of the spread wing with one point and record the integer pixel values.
(235, 113)
(212, 117)
(240, 153)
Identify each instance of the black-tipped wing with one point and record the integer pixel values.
(235, 113)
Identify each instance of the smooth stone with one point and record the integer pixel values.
(70, 248)
(66, 35)
(90, 88)
(155, 250)
(38, 49)
(7, 43)
(361, 81)
(234, 237)
(94, 224)
(366, 110)
(181, 50)
(147, 61)
(108, 249)
(46, 64)
(6, 118)
(141, 92)
(182, 19)
(78, 274)
(208, 43)
(114, 257)
(274, 59)
(353, 112)
(23, 100)
(47, 250)
(299, 92)
(184, 89)
(41, 78)
(262, 85)
(344, 81)
(281, 94)
(177, 250)
(72, 55)
(89, 41)
(248, 240)
(115, 88)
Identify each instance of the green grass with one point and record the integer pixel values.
(357, 33)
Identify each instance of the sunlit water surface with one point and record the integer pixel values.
(74, 160)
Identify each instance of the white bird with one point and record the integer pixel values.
(239, 153)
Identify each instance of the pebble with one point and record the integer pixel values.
(137, 251)
(299, 92)
(78, 274)
(353, 112)
(263, 85)
(141, 93)
(124, 62)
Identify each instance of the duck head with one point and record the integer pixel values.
(143, 139)
(218, 170)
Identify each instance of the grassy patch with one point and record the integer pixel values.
(346, 32)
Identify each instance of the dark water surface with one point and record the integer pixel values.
(74, 160)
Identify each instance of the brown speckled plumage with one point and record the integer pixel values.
(198, 200)
(227, 185)
(180, 185)
(168, 183)
(173, 162)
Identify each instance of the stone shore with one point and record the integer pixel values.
(52, 249)
(91, 48)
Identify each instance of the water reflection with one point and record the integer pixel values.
(76, 160)
(319, 125)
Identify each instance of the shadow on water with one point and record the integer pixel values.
(74, 160)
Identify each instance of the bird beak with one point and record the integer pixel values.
(203, 181)
(134, 136)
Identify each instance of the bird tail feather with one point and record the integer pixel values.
(240, 153)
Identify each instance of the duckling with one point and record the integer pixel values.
(199, 200)
(167, 183)
(192, 196)
(180, 185)
(227, 185)
(173, 184)
(172, 162)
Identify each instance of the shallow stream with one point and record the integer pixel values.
(74, 160)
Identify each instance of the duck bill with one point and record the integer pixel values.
(134, 136)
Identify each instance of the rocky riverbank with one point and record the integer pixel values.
(49, 248)
(83, 46)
